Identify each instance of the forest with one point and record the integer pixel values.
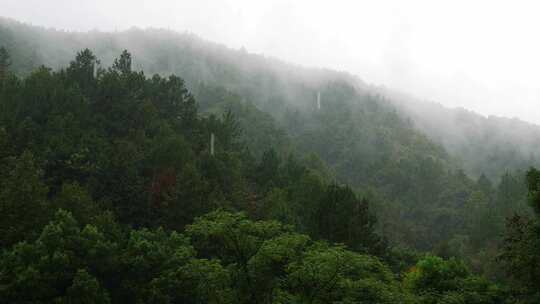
(318, 188)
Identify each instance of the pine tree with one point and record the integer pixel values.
(5, 62)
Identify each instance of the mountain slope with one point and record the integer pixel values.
(421, 195)
(481, 145)
(484, 145)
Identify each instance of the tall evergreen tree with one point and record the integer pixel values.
(123, 64)
(5, 62)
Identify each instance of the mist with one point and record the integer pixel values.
(269, 152)
(481, 56)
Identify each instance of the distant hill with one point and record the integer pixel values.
(409, 157)
(491, 145)
(480, 145)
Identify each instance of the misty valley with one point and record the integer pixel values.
(153, 166)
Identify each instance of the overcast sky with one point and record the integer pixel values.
(481, 55)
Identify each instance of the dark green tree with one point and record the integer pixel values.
(267, 171)
(521, 246)
(82, 70)
(123, 64)
(485, 185)
(23, 200)
(342, 218)
(5, 62)
(436, 281)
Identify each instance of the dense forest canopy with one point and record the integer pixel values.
(111, 191)
(480, 145)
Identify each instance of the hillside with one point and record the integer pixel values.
(482, 145)
(491, 145)
(155, 167)
(361, 136)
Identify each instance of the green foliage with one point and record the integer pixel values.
(433, 274)
(85, 290)
(5, 62)
(361, 137)
(81, 70)
(232, 260)
(533, 184)
(59, 261)
(129, 142)
(521, 247)
(23, 203)
(327, 275)
(75, 199)
(342, 218)
(123, 64)
(98, 146)
(73, 264)
(436, 280)
(268, 169)
(270, 263)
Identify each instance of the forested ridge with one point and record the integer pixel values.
(111, 193)
(480, 145)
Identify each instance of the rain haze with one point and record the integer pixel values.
(480, 55)
(239, 152)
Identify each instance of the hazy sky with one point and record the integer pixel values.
(481, 55)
